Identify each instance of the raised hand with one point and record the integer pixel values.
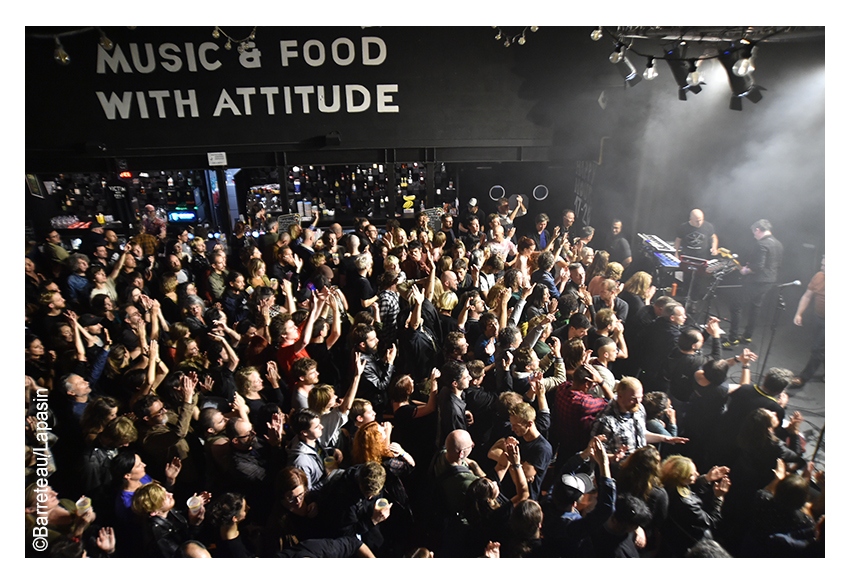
(276, 429)
(172, 469)
(207, 385)
(716, 473)
(106, 540)
(391, 353)
(779, 471)
(556, 346)
(272, 373)
(512, 451)
(721, 488)
(187, 386)
(359, 364)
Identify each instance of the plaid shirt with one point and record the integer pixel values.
(621, 428)
(573, 414)
(389, 308)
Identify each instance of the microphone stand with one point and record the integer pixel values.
(710, 295)
(780, 306)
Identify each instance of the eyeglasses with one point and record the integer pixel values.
(296, 499)
(248, 435)
(160, 411)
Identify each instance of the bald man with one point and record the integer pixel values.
(453, 471)
(696, 238)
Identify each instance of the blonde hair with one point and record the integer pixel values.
(638, 284)
(524, 412)
(148, 498)
(447, 301)
(676, 470)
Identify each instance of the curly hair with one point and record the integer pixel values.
(369, 444)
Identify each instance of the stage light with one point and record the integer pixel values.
(651, 72)
(742, 86)
(681, 70)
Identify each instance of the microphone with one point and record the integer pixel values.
(794, 283)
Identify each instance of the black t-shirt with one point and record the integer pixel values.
(704, 410)
(357, 288)
(619, 249)
(695, 241)
(231, 548)
(537, 453)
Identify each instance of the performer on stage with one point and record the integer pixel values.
(696, 238)
(759, 277)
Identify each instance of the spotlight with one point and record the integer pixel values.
(694, 77)
(596, 34)
(681, 69)
(651, 72)
(618, 54)
(744, 66)
(742, 86)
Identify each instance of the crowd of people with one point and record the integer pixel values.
(455, 391)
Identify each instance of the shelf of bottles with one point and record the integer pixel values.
(171, 190)
(338, 192)
(85, 196)
(267, 196)
(79, 197)
(413, 189)
(342, 192)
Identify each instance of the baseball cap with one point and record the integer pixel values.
(473, 202)
(579, 482)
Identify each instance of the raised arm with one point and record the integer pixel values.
(287, 293)
(78, 340)
(336, 324)
(307, 333)
(517, 476)
(432, 278)
(519, 205)
(119, 264)
(348, 399)
(431, 406)
(417, 298)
